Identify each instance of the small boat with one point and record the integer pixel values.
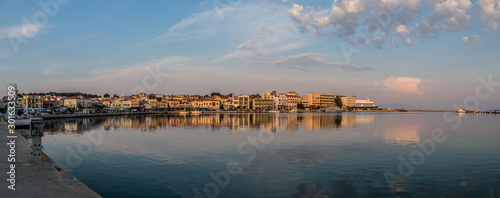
(403, 110)
(477, 111)
(195, 112)
(184, 112)
(461, 110)
(333, 109)
(274, 111)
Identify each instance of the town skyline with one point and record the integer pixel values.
(429, 54)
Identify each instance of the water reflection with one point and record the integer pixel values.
(402, 135)
(311, 155)
(288, 122)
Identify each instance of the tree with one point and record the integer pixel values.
(106, 95)
(206, 96)
(231, 95)
(215, 94)
(338, 102)
(116, 96)
(300, 105)
(152, 96)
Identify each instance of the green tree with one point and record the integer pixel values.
(116, 96)
(106, 95)
(300, 105)
(152, 96)
(215, 94)
(338, 102)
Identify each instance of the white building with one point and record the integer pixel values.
(366, 104)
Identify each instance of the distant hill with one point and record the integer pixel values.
(71, 94)
(399, 106)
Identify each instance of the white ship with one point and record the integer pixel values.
(460, 110)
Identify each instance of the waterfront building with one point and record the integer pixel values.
(304, 100)
(292, 100)
(130, 104)
(268, 95)
(209, 104)
(76, 101)
(366, 104)
(31, 101)
(173, 103)
(327, 100)
(348, 101)
(313, 99)
(50, 104)
(281, 101)
(263, 104)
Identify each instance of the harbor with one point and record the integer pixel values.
(45, 179)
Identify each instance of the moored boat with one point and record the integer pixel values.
(195, 112)
(460, 110)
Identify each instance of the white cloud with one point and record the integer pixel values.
(490, 12)
(308, 60)
(401, 29)
(408, 41)
(453, 12)
(465, 39)
(425, 29)
(401, 85)
(27, 31)
(470, 40)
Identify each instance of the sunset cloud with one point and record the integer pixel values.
(401, 85)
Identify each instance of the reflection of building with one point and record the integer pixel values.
(365, 119)
(366, 104)
(235, 122)
(402, 135)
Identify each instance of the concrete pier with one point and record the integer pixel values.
(35, 180)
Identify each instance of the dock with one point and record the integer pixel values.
(44, 179)
(90, 115)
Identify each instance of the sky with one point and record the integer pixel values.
(423, 53)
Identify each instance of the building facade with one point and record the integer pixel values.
(31, 101)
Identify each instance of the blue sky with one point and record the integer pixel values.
(428, 54)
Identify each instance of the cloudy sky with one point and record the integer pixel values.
(428, 54)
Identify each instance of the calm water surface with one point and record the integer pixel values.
(281, 155)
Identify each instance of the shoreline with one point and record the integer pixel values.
(64, 116)
(43, 179)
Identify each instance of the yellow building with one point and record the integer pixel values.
(313, 99)
(327, 100)
(263, 103)
(130, 104)
(31, 101)
(348, 101)
(292, 100)
(208, 104)
(304, 101)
